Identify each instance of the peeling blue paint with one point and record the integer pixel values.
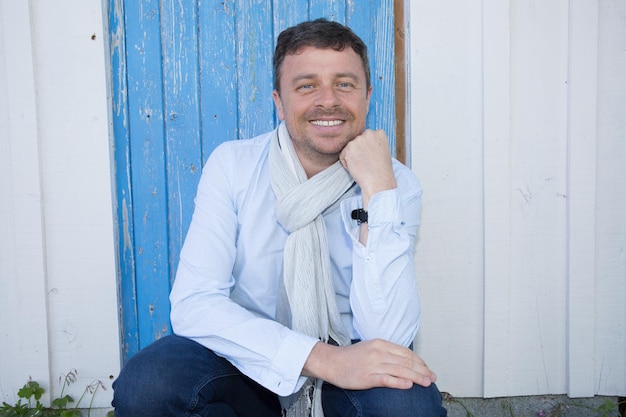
(187, 76)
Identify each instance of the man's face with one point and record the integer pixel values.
(324, 100)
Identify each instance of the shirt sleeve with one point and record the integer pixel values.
(384, 296)
(202, 309)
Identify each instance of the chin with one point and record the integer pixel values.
(334, 149)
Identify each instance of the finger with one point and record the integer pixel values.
(404, 363)
(421, 376)
(390, 381)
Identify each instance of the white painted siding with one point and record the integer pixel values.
(58, 307)
(518, 126)
(517, 113)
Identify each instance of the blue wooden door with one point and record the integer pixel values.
(186, 76)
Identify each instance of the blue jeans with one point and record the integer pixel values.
(175, 376)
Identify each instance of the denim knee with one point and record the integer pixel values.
(383, 402)
(143, 386)
(175, 376)
(164, 378)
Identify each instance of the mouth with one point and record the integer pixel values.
(327, 123)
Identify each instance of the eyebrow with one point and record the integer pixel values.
(311, 76)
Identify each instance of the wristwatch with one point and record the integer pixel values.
(359, 215)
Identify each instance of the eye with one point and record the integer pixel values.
(345, 86)
(305, 87)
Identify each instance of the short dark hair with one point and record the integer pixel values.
(319, 33)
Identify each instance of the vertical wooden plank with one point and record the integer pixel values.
(401, 84)
(581, 196)
(183, 156)
(334, 10)
(218, 74)
(446, 119)
(497, 195)
(255, 46)
(24, 349)
(149, 182)
(71, 85)
(127, 296)
(373, 21)
(610, 255)
(384, 97)
(537, 306)
(285, 15)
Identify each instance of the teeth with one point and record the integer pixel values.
(327, 122)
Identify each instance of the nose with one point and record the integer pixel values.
(327, 97)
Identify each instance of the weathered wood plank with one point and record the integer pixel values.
(255, 47)
(218, 74)
(373, 21)
(402, 121)
(183, 152)
(334, 10)
(124, 202)
(148, 178)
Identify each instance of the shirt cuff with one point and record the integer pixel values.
(287, 365)
(384, 207)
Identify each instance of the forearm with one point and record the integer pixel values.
(260, 348)
(383, 296)
(367, 192)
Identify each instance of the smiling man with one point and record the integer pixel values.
(296, 292)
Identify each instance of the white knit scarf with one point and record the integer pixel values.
(307, 303)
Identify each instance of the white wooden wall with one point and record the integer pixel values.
(58, 302)
(518, 127)
(518, 121)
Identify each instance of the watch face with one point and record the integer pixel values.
(359, 215)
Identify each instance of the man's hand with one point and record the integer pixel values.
(368, 159)
(369, 364)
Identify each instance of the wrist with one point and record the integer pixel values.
(367, 193)
(319, 362)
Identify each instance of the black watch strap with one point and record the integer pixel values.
(359, 215)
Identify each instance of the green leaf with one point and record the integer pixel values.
(25, 392)
(31, 389)
(62, 402)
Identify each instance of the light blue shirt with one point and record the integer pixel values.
(228, 279)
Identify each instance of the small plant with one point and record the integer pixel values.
(551, 408)
(607, 409)
(446, 396)
(29, 404)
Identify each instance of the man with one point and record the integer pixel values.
(296, 289)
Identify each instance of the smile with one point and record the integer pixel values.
(327, 122)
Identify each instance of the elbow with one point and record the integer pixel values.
(396, 327)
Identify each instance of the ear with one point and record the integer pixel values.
(279, 105)
(368, 97)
